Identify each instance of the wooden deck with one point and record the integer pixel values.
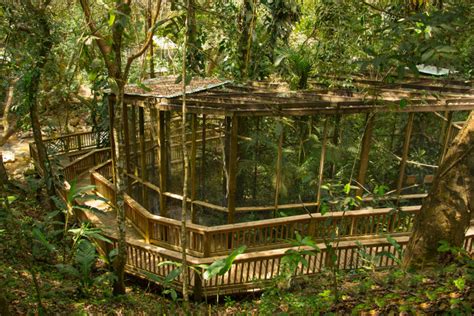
(358, 238)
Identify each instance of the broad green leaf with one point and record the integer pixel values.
(172, 275)
(221, 266)
(111, 18)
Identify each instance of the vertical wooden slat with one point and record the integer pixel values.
(193, 166)
(364, 153)
(278, 170)
(143, 166)
(163, 161)
(232, 183)
(126, 137)
(321, 163)
(133, 134)
(203, 158)
(406, 149)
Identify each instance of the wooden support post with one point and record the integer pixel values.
(278, 171)
(447, 137)
(255, 159)
(203, 159)
(321, 162)
(336, 139)
(126, 133)
(406, 150)
(364, 153)
(232, 184)
(193, 165)
(134, 139)
(163, 161)
(143, 166)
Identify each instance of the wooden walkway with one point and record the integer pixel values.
(359, 238)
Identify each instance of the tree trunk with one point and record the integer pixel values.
(3, 174)
(9, 119)
(115, 110)
(184, 206)
(246, 30)
(32, 89)
(446, 212)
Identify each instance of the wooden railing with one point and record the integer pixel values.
(261, 235)
(252, 271)
(99, 179)
(75, 142)
(76, 168)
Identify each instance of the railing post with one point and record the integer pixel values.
(79, 145)
(351, 232)
(206, 251)
(312, 227)
(197, 289)
(147, 231)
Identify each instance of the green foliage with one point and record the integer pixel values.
(222, 266)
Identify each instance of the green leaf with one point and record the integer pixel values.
(403, 103)
(427, 55)
(172, 275)
(111, 18)
(39, 236)
(444, 246)
(222, 266)
(153, 277)
(460, 283)
(347, 188)
(143, 86)
(172, 263)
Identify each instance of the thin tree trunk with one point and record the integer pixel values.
(246, 30)
(3, 174)
(447, 211)
(9, 119)
(184, 241)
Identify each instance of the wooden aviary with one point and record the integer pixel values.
(267, 163)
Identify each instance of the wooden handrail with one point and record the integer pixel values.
(85, 156)
(67, 136)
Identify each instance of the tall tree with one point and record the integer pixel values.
(447, 211)
(32, 52)
(112, 49)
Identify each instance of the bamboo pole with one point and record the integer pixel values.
(193, 165)
(321, 163)
(278, 171)
(184, 206)
(406, 150)
(364, 153)
(232, 174)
